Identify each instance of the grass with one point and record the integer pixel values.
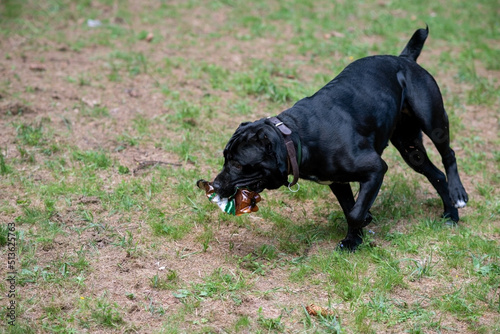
(103, 245)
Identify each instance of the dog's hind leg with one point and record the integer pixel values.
(407, 138)
(438, 132)
(430, 114)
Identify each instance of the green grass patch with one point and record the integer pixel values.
(92, 159)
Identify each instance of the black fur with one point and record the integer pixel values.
(343, 130)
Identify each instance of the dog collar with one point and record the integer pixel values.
(290, 148)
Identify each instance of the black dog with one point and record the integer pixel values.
(339, 134)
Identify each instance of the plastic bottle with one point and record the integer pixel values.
(244, 201)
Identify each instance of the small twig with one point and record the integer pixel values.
(149, 163)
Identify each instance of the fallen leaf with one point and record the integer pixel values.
(317, 310)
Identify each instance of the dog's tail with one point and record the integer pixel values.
(416, 43)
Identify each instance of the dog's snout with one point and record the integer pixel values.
(222, 187)
(216, 185)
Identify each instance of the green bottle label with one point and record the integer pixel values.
(231, 207)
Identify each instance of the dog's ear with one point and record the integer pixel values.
(242, 125)
(236, 138)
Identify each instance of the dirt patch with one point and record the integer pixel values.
(15, 108)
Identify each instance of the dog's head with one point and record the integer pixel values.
(254, 158)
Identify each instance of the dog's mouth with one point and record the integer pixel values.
(227, 186)
(255, 186)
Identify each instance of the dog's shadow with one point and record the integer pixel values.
(274, 234)
(291, 227)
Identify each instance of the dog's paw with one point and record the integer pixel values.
(459, 196)
(346, 246)
(350, 244)
(451, 218)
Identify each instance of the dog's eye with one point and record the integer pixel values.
(236, 165)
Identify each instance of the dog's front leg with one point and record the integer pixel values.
(344, 195)
(359, 215)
